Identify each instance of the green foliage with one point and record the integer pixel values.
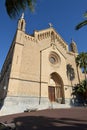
(79, 89)
(14, 7)
(85, 14)
(83, 23)
(81, 61)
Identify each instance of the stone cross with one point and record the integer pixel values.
(50, 24)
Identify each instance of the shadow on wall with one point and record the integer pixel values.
(1, 103)
(3, 94)
(78, 102)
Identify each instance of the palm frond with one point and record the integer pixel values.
(84, 23)
(85, 14)
(31, 4)
(14, 7)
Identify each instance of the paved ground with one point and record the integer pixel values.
(51, 119)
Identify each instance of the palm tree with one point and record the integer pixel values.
(14, 7)
(81, 61)
(78, 72)
(83, 23)
(80, 92)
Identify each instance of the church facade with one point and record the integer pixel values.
(39, 69)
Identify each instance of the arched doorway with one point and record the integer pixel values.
(56, 89)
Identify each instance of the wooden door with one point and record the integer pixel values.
(51, 93)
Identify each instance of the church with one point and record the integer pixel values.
(39, 70)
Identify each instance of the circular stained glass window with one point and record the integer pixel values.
(54, 58)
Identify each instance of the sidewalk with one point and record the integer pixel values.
(51, 119)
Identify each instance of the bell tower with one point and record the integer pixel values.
(21, 23)
(73, 47)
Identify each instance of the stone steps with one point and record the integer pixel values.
(53, 106)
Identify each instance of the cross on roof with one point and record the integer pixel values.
(50, 24)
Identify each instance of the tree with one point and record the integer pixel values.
(79, 88)
(81, 61)
(79, 91)
(83, 23)
(14, 7)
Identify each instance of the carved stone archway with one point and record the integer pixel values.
(55, 88)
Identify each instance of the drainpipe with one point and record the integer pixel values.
(40, 76)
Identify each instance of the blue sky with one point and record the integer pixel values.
(63, 14)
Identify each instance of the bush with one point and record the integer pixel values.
(80, 92)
